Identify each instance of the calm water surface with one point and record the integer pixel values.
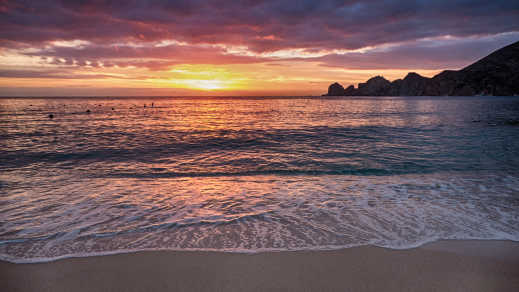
(254, 174)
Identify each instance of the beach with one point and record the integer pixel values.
(455, 265)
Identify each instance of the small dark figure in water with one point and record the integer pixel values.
(144, 105)
(113, 109)
(51, 116)
(87, 111)
(152, 105)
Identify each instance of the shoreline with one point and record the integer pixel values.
(445, 265)
(423, 244)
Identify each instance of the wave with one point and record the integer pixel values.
(82, 233)
(275, 172)
(261, 214)
(373, 150)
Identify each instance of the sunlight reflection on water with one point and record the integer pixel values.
(254, 174)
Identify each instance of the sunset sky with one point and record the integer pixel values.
(55, 48)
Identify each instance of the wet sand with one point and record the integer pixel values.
(441, 266)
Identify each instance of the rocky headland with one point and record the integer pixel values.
(497, 74)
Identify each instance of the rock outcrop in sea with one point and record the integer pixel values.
(335, 89)
(496, 74)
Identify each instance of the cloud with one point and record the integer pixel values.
(259, 25)
(159, 34)
(149, 55)
(430, 54)
(59, 74)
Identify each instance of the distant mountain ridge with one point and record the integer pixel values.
(496, 74)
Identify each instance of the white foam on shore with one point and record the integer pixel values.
(294, 213)
(36, 260)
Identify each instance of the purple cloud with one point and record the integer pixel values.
(259, 25)
(306, 24)
(428, 55)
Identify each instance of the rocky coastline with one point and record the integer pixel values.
(497, 75)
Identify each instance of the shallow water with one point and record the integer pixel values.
(253, 174)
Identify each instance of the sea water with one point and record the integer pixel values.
(254, 174)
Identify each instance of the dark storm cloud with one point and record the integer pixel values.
(262, 26)
(307, 24)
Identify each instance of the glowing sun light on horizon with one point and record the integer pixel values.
(205, 77)
(212, 84)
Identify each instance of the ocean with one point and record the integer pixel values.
(254, 174)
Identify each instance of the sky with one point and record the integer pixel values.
(252, 47)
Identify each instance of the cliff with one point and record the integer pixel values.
(496, 74)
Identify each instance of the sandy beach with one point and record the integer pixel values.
(440, 266)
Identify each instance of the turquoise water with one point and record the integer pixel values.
(254, 174)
